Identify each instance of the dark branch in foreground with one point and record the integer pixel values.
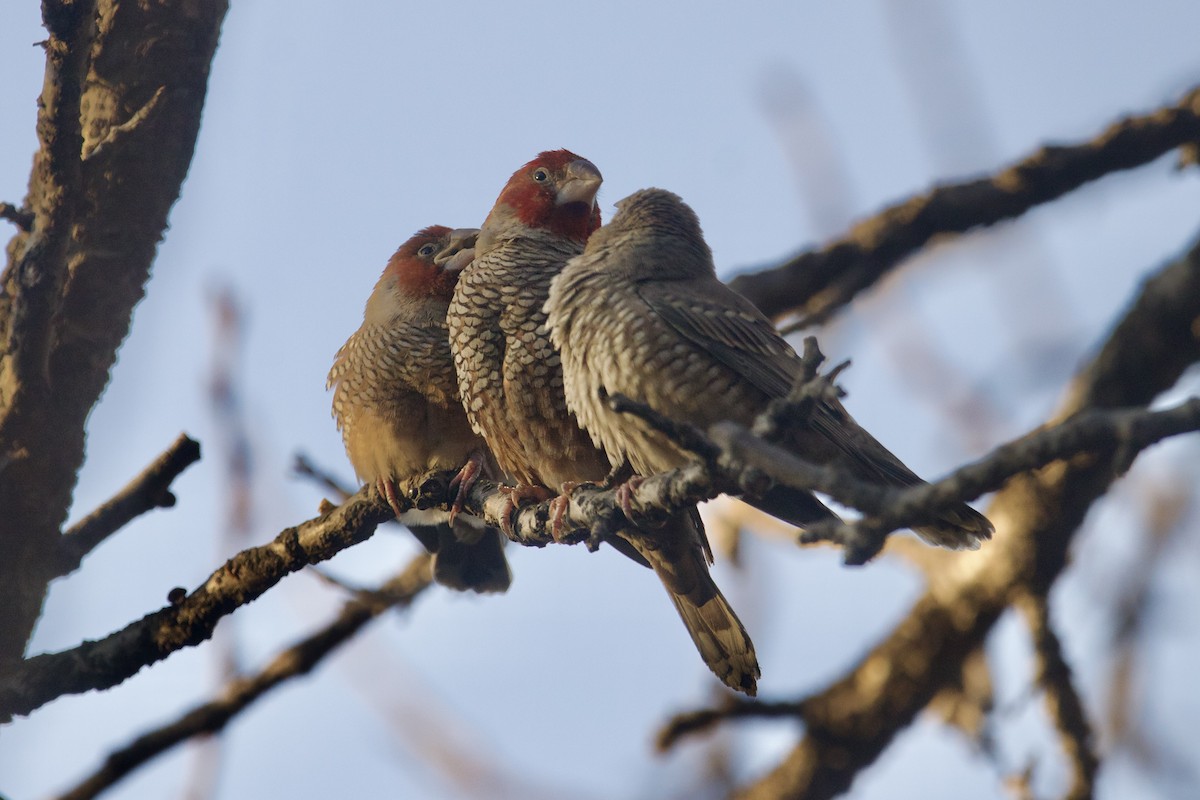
(817, 283)
(1122, 433)
(299, 659)
(149, 490)
(105, 663)
(41, 267)
(120, 110)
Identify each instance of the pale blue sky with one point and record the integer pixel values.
(334, 131)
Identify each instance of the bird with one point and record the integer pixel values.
(641, 313)
(396, 403)
(511, 383)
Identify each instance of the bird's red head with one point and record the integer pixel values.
(414, 268)
(557, 192)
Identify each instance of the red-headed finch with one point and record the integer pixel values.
(396, 402)
(511, 383)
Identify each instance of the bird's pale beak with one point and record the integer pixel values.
(457, 262)
(460, 239)
(582, 182)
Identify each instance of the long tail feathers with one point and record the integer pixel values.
(959, 528)
(677, 557)
(835, 437)
(721, 640)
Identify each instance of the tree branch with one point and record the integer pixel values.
(105, 663)
(694, 722)
(1119, 435)
(817, 283)
(593, 515)
(850, 723)
(74, 277)
(297, 660)
(30, 298)
(149, 490)
(303, 466)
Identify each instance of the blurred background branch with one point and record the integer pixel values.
(1036, 515)
(816, 284)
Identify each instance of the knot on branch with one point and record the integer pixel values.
(21, 217)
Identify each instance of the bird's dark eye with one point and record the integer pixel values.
(427, 250)
(540, 175)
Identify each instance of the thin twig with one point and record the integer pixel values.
(1066, 710)
(693, 722)
(1122, 434)
(329, 579)
(297, 660)
(304, 466)
(795, 410)
(149, 490)
(687, 436)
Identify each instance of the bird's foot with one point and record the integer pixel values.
(558, 512)
(387, 490)
(461, 483)
(561, 504)
(625, 495)
(570, 486)
(515, 497)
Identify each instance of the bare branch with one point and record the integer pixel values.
(101, 664)
(303, 466)
(593, 515)
(693, 722)
(1120, 435)
(297, 660)
(816, 283)
(737, 462)
(149, 490)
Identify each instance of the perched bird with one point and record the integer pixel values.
(642, 313)
(396, 402)
(511, 383)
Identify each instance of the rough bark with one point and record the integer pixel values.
(120, 111)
